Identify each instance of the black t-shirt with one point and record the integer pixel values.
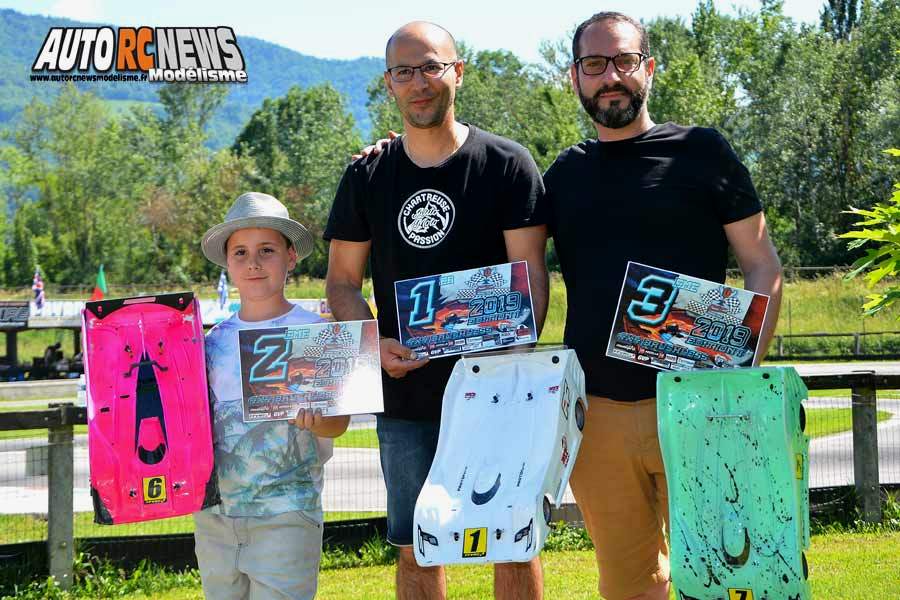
(661, 199)
(425, 221)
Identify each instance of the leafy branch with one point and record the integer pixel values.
(880, 229)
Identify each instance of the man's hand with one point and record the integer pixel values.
(377, 147)
(321, 426)
(397, 359)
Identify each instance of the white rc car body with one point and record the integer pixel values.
(510, 431)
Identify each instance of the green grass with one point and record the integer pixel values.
(36, 399)
(845, 566)
(824, 304)
(827, 421)
(26, 528)
(33, 342)
(849, 567)
(9, 409)
(22, 434)
(820, 421)
(829, 303)
(555, 323)
(845, 393)
(353, 438)
(357, 438)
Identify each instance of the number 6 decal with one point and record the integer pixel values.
(154, 490)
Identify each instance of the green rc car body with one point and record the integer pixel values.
(737, 464)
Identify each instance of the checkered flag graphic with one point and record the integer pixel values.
(331, 342)
(715, 305)
(480, 284)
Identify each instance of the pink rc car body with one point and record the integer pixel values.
(149, 429)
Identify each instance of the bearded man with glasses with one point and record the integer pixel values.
(665, 195)
(443, 197)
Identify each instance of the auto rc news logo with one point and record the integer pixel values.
(161, 54)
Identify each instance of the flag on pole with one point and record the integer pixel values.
(37, 286)
(223, 290)
(100, 287)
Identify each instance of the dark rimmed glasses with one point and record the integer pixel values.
(430, 70)
(626, 62)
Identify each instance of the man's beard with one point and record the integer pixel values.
(617, 115)
(437, 115)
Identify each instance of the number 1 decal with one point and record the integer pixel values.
(475, 543)
(422, 294)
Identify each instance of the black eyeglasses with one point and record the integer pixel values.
(626, 62)
(430, 70)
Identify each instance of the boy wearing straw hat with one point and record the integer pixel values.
(265, 538)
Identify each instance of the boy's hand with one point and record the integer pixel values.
(377, 147)
(398, 360)
(320, 426)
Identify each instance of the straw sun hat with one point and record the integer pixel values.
(254, 209)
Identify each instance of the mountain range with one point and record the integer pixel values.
(271, 69)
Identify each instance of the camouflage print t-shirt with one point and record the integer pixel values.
(264, 468)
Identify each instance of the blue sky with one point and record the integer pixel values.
(352, 28)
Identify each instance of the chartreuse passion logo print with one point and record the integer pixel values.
(160, 54)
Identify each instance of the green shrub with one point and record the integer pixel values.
(879, 232)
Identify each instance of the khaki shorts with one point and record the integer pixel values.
(260, 558)
(620, 487)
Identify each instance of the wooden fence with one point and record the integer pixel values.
(61, 419)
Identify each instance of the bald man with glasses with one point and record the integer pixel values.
(445, 196)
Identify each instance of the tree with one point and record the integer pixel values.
(804, 109)
(19, 262)
(840, 17)
(537, 111)
(690, 86)
(65, 154)
(180, 187)
(530, 104)
(135, 192)
(191, 106)
(300, 145)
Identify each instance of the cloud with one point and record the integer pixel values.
(79, 10)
